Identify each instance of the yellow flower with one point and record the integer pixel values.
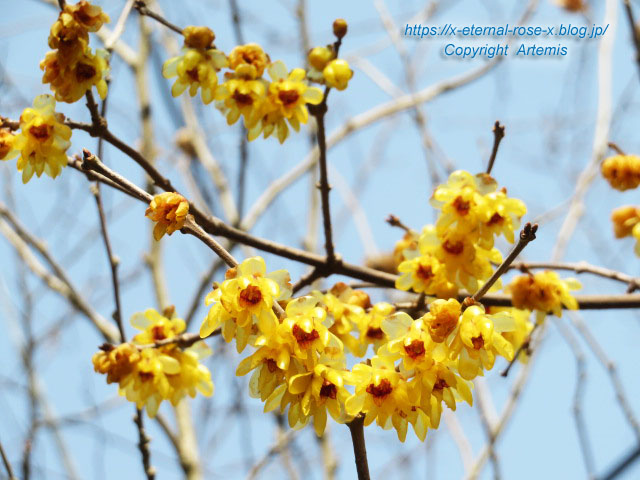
(408, 340)
(169, 210)
(148, 375)
(241, 97)
(75, 21)
(347, 309)
(624, 219)
(306, 326)
(243, 303)
(198, 37)
(381, 394)
(425, 274)
(442, 318)
(337, 74)
(6, 143)
(196, 67)
(622, 171)
(155, 327)
(42, 141)
(273, 364)
(319, 57)
(544, 292)
(287, 97)
(117, 362)
(370, 326)
(523, 328)
(407, 247)
(312, 394)
(478, 340)
(501, 215)
(466, 264)
(70, 79)
(248, 61)
(438, 384)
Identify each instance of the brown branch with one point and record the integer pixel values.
(143, 446)
(376, 278)
(356, 427)
(396, 222)
(7, 465)
(10, 124)
(616, 148)
(498, 135)
(635, 34)
(142, 9)
(527, 234)
(524, 347)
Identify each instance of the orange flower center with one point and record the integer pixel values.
(41, 132)
(381, 390)
(454, 248)
(242, 99)
(304, 338)
(424, 272)
(146, 376)
(461, 206)
(271, 365)
(193, 74)
(415, 349)
(288, 97)
(328, 390)
(440, 384)
(250, 296)
(496, 219)
(158, 333)
(84, 72)
(478, 342)
(375, 332)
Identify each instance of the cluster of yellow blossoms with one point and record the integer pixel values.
(148, 374)
(72, 68)
(299, 358)
(42, 141)
(623, 173)
(267, 107)
(458, 251)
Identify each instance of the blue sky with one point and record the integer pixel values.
(549, 107)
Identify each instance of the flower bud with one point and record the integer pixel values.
(340, 27)
(337, 74)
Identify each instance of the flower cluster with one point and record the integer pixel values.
(147, 374)
(543, 292)
(267, 106)
(298, 360)
(72, 68)
(458, 251)
(42, 141)
(169, 210)
(198, 65)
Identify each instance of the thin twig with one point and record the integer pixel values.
(498, 135)
(395, 222)
(7, 464)
(527, 234)
(525, 346)
(142, 9)
(143, 446)
(635, 34)
(356, 427)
